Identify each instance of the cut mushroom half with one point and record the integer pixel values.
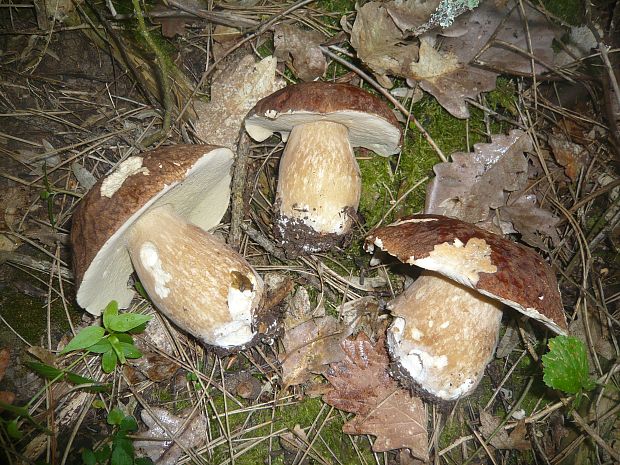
(152, 214)
(446, 324)
(319, 181)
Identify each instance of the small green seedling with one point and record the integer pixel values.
(565, 366)
(120, 451)
(113, 340)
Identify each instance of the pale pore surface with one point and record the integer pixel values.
(319, 177)
(194, 278)
(444, 335)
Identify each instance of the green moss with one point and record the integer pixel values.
(571, 11)
(503, 97)
(28, 317)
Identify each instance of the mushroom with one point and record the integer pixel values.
(319, 181)
(447, 322)
(152, 212)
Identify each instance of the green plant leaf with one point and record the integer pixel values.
(52, 373)
(122, 451)
(129, 350)
(127, 321)
(118, 350)
(109, 313)
(87, 337)
(115, 417)
(12, 429)
(88, 457)
(129, 424)
(46, 371)
(108, 361)
(101, 347)
(565, 366)
(143, 461)
(103, 454)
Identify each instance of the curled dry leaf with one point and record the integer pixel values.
(188, 433)
(362, 385)
(300, 50)
(525, 217)
(234, 91)
(418, 16)
(502, 439)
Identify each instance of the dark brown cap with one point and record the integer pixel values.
(476, 258)
(194, 179)
(370, 121)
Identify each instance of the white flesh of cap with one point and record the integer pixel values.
(201, 198)
(444, 335)
(194, 278)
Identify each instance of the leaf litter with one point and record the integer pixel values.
(362, 385)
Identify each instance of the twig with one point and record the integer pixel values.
(240, 174)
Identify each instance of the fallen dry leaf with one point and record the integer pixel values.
(525, 217)
(382, 408)
(502, 439)
(379, 43)
(474, 184)
(569, 155)
(6, 397)
(310, 347)
(300, 50)
(234, 91)
(159, 447)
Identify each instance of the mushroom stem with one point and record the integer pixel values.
(195, 279)
(443, 336)
(319, 185)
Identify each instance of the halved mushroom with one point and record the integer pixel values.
(447, 322)
(319, 182)
(153, 212)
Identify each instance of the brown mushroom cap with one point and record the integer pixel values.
(499, 268)
(370, 121)
(194, 179)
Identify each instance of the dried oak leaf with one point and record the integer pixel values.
(474, 184)
(310, 347)
(418, 16)
(379, 43)
(508, 52)
(158, 444)
(362, 385)
(234, 91)
(525, 217)
(502, 439)
(300, 50)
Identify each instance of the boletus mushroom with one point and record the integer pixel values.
(151, 214)
(319, 181)
(446, 324)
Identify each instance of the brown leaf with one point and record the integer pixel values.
(310, 347)
(379, 43)
(234, 91)
(475, 183)
(382, 408)
(528, 219)
(414, 16)
(502, 439)
(568, 154)
(301, 50)
(157, 444)
(5, 358)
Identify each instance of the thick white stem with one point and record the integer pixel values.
(319, 180)
(194, 278)
(443, 335)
